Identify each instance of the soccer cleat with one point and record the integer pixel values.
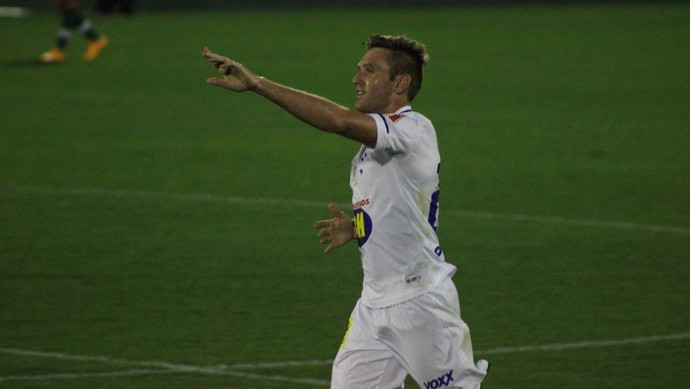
(53, 55)
(95, 48)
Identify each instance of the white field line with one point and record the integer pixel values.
(233, 370)
(585, 344)
(129, 373)
(63, 376)
(573, 222)
(272, 365)
(195, 197)
(160, 367)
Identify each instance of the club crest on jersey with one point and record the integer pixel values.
(363, 226)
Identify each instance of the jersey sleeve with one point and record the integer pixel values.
(396, 134)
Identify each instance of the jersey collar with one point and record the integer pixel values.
(404, 109)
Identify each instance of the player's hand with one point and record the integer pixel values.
(336, 232)
(234, 75)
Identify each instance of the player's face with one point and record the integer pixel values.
(373, 85)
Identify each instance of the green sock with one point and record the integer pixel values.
(87, 30)
(64, 36)
(75, 19)
(62, 43)
(92, 35)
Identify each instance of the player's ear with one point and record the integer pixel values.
(402, 83)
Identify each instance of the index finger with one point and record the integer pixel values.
(337, 212)
(206, 52)
(211, 56)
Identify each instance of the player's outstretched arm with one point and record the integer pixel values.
(336, 232)
(312, 109)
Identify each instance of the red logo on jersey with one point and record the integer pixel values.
(360, 203)
(396, 117)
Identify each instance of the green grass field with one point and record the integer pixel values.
(156, 232)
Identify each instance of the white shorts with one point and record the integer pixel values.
(423, 337)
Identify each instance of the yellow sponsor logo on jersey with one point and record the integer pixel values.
(363, 226)
(359, 225)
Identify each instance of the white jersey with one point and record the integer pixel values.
(395, 193)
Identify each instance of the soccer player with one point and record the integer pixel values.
(72, 19)
(407, 320)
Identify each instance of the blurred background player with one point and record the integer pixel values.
(73, 19)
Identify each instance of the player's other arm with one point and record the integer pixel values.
(312, 109)
(336, 232)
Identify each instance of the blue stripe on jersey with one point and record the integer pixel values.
(385, 123)
(433, 209)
